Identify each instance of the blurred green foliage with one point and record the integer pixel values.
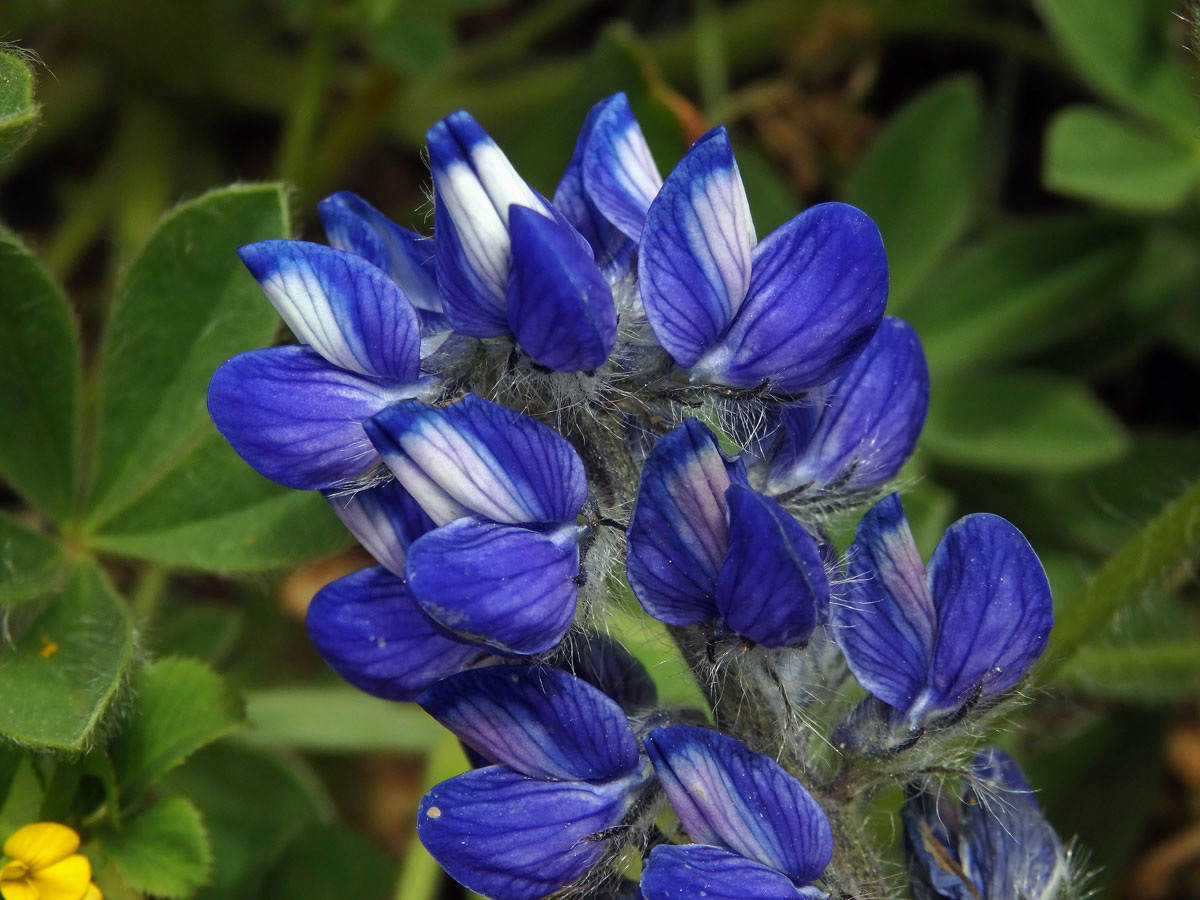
(1033, 171)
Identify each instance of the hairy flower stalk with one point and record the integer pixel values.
(550, 405)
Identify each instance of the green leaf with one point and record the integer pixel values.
(1142, 672)
(1017, 291)
(337, 719)
(330, 861)
(206, 631)
(39, 383)
(253, 804)
(67, 663)
(31, 564)
(420, 875)
(1094, 155)
(1168, 544)
(217, 514)
(1020, 422)
(21, 795)
(414, 40)
(186, 305)
(182, 705)
(918, 180)
(1126, 53)
(163, 850)
(18, 109)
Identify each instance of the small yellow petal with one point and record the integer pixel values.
(18, 890)
(41, 844)
(92, 893)
(67, 880)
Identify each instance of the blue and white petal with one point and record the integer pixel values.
(678, 534)
(385, 519)
(729, 796)
(863, 426)
(772, 587)
(500, 585)
(694, 259)
(295, 418)
(353, 224)
(474, 186)
(994, 611)
(1010, 848)
(538, 721)
(817, 291)
(477, 456)
(510, 837)
(691, 871)
(346, 309)
(619, 173)
(887, 623)
(560, 308)
(366, 626)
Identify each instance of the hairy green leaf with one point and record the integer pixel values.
(68, 660)
(18, 109)
(30, 563)
(186, 305)
(182, 705)
(39, 383)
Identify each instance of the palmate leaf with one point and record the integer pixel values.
(30, 563)
(68, 660)
(18, 109)
(162, 851)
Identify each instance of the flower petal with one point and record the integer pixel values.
(696, 870)
(817, 290)
(612, 250)
(886, 623)
(994, 611)
(605, 664)
(772, 585)
(500, 585)
(481, 457)
(559, 306)
(932, 847)
(369, 630)
(729, 796)
(385, 519)
(41, 844)
(474, 186)
(295, 418)
(694, 257)
(65, 880)
(619, 173)
(353, 224)
(510, 837)
(539, 721)
(1012, 851)
(349, 311)
(678, 534)
(868, 425)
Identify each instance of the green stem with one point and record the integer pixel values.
(712, 67)
(295, 149)
(1169, 542)
(148, 592)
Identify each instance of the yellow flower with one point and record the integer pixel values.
(40, 863)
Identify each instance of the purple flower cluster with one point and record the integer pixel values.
(546, 398)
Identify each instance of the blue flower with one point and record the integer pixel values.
(792, 311)
(853, 434)
(759, 834)
(505, 492)
(702, 546)
(929, 642)
(295, 413)
(509, 263)
(366, 625)
(568, 785)
(609, 184)
(994, 845)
